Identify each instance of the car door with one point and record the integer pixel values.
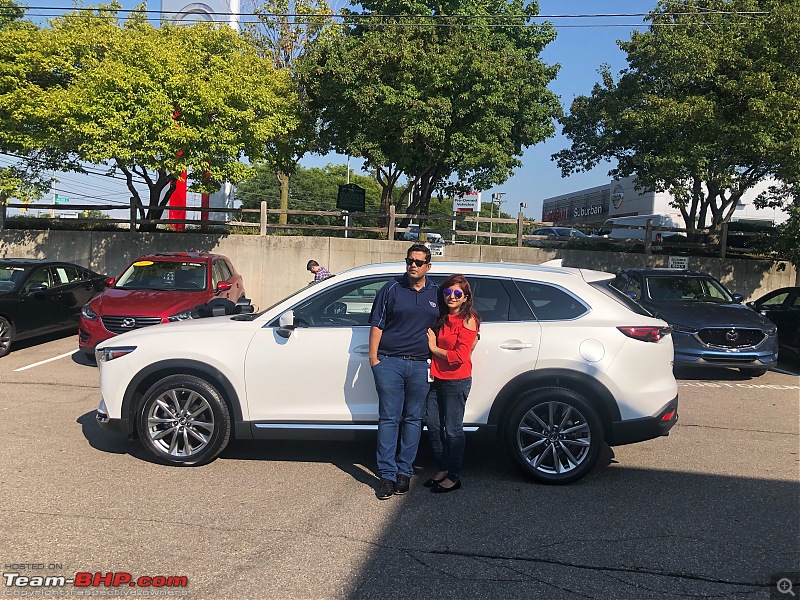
(508, 345)
(75, 288)
(41, 310)
(783, 309)
(321, 373)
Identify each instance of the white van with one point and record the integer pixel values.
(640, 221)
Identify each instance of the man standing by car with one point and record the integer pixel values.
(403, 311)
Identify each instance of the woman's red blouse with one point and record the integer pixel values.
(458, 341)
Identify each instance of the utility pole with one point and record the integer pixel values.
(496, 197)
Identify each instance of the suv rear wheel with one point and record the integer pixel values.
(184, 421)
(553, 435)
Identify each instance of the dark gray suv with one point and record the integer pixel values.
(710, 326)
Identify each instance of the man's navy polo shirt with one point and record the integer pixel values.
(405, 315)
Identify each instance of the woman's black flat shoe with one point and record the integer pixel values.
(434, 482)
(438, 489)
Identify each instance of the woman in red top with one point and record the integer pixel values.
(451, 342)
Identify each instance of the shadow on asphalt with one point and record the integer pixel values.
(43, 339)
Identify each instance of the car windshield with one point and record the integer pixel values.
(694, 289)
(178, 276)
(11, 277)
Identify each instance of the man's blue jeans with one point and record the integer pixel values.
(402, 387)
(445, 420)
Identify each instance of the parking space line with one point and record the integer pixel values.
(41, 362)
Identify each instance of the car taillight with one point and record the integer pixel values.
(646, 334)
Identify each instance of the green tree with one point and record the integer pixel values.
(282, 32)
(707, 108)
(448, 95)
(150, 102)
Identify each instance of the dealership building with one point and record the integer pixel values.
(590, 207)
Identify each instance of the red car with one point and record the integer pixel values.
(157, 288)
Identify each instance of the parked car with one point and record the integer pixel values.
(710, 326)
(552, 373)
(559, 233)
(782, 307)
(412, 235)
(42, 296)
(157, 288)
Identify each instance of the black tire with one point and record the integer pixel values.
(190, 425)
(6, 336)
(531, 441)
(753, 372)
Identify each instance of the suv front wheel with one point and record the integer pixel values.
(553, 435)
(184, 421)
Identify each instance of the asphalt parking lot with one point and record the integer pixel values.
(712, 511)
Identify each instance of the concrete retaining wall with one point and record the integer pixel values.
(275, 266)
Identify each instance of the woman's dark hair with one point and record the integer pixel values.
(466, 309)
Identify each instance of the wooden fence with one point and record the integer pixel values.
(716, 241)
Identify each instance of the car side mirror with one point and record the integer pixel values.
(36, 289)
(738, 298)
(224, 286)
(286, 324)
(109, 281)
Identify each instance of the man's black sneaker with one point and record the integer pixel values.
(385, 489)
(402, 484)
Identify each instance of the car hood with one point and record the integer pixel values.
(193, 326)
(707, 314)
(143, 303)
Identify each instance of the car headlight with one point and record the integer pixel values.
(112, 352)
(683, 328)
(88, 313)
(181, 316)
(772, 330)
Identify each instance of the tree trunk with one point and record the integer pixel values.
(283, 180)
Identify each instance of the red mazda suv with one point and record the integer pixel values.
(157, 288)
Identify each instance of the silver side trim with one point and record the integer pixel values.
(331, 426)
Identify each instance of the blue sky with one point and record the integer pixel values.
(582, 45)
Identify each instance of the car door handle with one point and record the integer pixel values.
(515, 345)
(361, 350)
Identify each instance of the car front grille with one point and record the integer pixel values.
(122, 324)
(731, 337)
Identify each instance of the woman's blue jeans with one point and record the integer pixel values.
(402, 386)
(445, 419)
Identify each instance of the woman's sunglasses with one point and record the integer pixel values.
(416, 261)
(450, 292)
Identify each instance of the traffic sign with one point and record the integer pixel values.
(58, 199)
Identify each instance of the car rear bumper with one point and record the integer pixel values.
(638, 430)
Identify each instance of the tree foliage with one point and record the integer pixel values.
(707, 107)
(282, 31)
(435, 92)
(150, 102)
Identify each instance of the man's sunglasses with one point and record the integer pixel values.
(415, 261)
(450, 292)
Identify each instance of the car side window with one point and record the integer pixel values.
(492, 301)
(550, 303)
(217, 274)
(227, 269)
(776, 300)
(65, 275)
(39, 277)
(346, 305)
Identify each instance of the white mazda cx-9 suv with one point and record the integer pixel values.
(565, 364)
